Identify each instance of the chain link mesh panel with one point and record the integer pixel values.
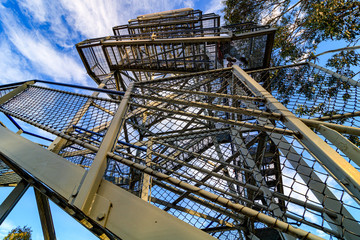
(84, 117)
(314, 94)
(145, 59)
(248, 156)
(212, 131)
(182, 21)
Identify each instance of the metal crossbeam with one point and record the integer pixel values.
(71, 177)
(12, 199)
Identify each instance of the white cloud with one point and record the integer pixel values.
(95, 18)
(9, 66)
(41, 53)
(321, 234)
(215, 6)
(189, 4)
(49, 14)
(92, 18)
(36, 9)
(39, 37)
(5, 228)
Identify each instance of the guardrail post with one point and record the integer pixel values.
(92, 179)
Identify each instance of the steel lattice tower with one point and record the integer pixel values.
(191, 134)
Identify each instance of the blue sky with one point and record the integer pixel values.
(37, 41)
(38, 36)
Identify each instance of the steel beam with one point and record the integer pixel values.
(248, 186)
(60, 143)
(113, 41)
(347, 147)
(12, 199)
(337, 116)
(315, 184)
(259, 179)
(146, 185)
(276, 68)
(45, 216)
(220, 200)
(189, 133)
(92, 179)
(345, 174)
(217, 119)
(317, 187)
(250, 112)
(336, 75)
(201, 201)
(225, 169)
(339, 128)
(92, 147)
(110, 202)
(212, 197)
(190, 211)
(210, 94)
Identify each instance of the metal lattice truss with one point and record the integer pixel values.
(214, 149)
(173, 42)
(175, 21)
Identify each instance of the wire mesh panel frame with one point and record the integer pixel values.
(254, 108)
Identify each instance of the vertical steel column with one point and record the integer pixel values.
(260, 181)
(93, 177)
(312, 181)
(45, 216)
(146, 177)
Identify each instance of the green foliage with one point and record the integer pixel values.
(343, 62)
(302, 25)
(354, 139)
(334, 19)
(19, 233)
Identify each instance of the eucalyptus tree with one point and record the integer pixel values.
(302, 26)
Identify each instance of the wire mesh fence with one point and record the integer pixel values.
(312, 93)
(212, 131)
(263, 164)
(144, 48)
(103, 55)
(190, 20)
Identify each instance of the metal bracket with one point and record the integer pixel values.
(100, 209)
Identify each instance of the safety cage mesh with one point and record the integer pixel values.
(213, 131)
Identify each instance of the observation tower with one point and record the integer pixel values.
(190, 134)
